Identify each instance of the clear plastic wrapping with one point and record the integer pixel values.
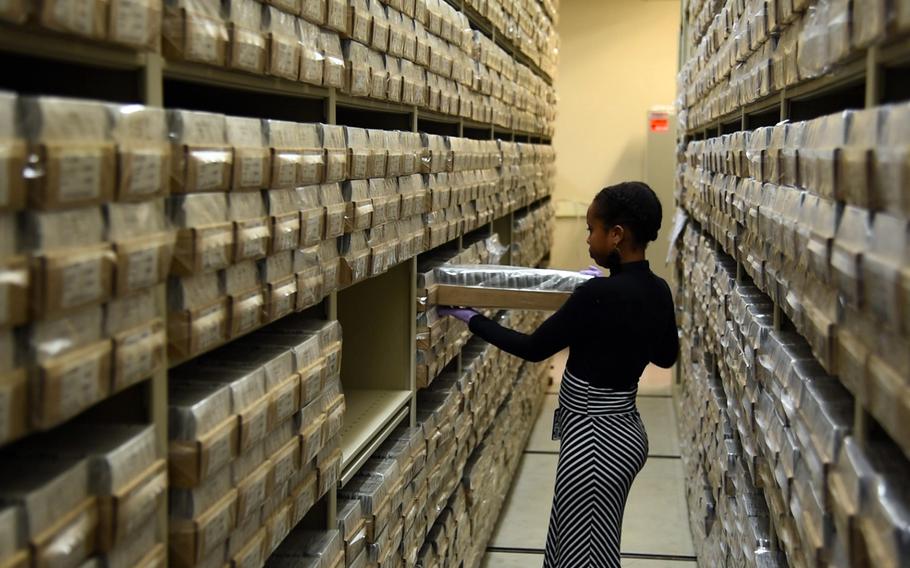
(378, 157)
(330, 46)
(248, 46)
(312, 60)
(195, 30)
(143, 156)
(360, 210)
(333, 141)
(357, 60)
(252, 232)
(284, 44)
(252, 165)
(72, 161)
(284, 213)
(201, 158)
(892, 161)
(53, 488)
(143, 244)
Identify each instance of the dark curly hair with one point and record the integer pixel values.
(632, 204)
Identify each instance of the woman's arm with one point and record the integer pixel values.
(550, 338)
(665, 349)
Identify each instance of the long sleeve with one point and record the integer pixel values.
(665, 349)
(553, 335)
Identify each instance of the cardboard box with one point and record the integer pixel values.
(191, 541)
(138, 353)
(253, 491)
(70, 541)
(194, 36)
(142, 262)
(201, 168)
(142, 171)
(247, 311)
(122, 514)
(195, 331)
(64, 279)
(446, 295)
(203, 249)
(248, 49)
(68, 384)
(87, 18)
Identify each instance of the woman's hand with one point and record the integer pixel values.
(464, 314)
(591, 271)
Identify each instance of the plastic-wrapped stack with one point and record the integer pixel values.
(743, 51)
(254, 441)
(771, 454)
(532, 235)
(417, 53)
(258, 201)
(439, 340)
(94, 492)
(78, 315)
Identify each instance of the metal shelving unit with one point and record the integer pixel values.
(379, 368)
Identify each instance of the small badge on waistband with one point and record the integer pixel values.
(557, 424)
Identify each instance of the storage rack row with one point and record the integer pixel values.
(379, 381)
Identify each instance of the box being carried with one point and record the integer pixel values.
(502, 287)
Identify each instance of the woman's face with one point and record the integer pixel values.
(602, 241)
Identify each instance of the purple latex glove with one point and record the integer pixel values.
(464, 314)
(591, 271)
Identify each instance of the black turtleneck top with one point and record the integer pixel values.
(613, 326)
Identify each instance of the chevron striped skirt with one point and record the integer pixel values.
(603, 447)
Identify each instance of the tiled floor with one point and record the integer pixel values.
(655, 527)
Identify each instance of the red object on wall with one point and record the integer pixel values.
(659, 122)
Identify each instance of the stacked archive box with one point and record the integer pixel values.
(424, 498)
(86, 245)
(187, 230)
(740, 52)
(254, 442)
(813, 214)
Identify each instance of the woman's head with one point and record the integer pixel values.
(622, 220)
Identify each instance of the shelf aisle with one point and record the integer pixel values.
(656, 505)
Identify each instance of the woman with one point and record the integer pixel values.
(613, 328)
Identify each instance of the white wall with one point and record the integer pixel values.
(618, 58)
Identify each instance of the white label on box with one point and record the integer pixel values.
(253, 241)
(247, 56)
(142, 269)
(131, 22)
(209, 174)
(359, 166)
(311, 71)
(82, 283)
(207, 327)
(145, 174)
(256, 427)
(80, 176)
(75, 15)
(251, 172)
(284, 60)
(309, 170)
(311, 232)
(333, 74)
(282, 302)
(285, 235)
(137, 356)
(255, 494)
(362, 28)
(248, 312)
(334, 168)
(284, 468)
(201, 43)
(287, 171)
(214, 255)
(79, 387)
(314, 10)
(219, 453)
(216, 531)
(337, 14)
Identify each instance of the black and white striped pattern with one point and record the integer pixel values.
(603, 447)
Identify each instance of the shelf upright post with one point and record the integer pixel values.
(151, 84)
